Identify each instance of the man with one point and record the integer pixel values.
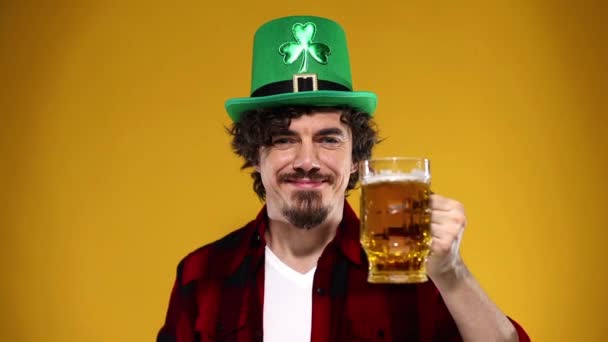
(298, 272)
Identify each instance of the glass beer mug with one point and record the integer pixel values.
(396, 218)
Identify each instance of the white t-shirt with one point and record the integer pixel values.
(287, 301)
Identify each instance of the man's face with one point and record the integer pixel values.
(306, 169)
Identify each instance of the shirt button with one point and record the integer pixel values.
(320, 291)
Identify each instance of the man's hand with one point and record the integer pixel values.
(448, 221)
(477, 317)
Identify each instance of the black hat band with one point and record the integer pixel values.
(300, 82)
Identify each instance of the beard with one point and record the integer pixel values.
(307, 210)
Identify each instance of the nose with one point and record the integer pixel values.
(306, 158)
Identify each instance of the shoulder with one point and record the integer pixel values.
(208, 260)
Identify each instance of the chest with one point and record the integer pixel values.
(343, 307)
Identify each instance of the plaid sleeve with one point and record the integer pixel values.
(444, 328)
(521, 333)
(181, 313)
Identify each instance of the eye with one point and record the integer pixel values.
(329, 140)
(282, 141)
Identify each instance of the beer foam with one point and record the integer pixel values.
(391, 176)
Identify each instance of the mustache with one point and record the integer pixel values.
(301, 174)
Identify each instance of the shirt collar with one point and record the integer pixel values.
(346, 239)
(252, 244)
(347, 236)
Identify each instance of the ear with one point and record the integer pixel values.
(256, 168)
(354, 167)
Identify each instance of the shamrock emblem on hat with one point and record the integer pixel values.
(304, 33)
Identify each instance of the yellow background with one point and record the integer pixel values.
(115, 163)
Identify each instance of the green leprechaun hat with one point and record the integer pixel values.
(301, 60)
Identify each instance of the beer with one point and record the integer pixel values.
(395, 226)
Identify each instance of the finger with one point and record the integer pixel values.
(445, 231)
(440, 247)
(439, 202)
(454, 217)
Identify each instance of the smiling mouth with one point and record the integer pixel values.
(306, 182)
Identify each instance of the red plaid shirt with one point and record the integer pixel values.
(219, 293)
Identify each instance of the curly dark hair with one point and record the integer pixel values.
(257, 127)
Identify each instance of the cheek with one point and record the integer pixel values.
(272, 163)
(340, 165)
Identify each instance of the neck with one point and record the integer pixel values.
(301, 248)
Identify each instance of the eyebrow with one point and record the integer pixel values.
(331, 131)
(325, 131)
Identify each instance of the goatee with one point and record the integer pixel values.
(308, 210)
